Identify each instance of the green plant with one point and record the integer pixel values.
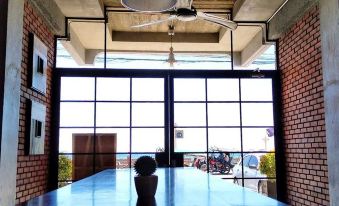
(267, 165)
(65, 168)
(145, 166)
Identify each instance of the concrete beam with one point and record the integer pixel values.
(91, 54)
(11, 99)
(253, 49)
(163, 37)
(75, 48)
(255, 10)
(292, 11)
(224, 35)
(81, 8)
(329, 27)
(53, 16)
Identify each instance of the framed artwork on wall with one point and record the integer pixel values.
(35, 141)
(38, 64)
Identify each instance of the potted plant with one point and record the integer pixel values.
(267, 167)
(145, 181)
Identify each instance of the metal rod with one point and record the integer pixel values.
(105, 39)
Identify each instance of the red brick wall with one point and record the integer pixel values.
(32, 172)
(303, 112)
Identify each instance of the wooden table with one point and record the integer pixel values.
(177, 186)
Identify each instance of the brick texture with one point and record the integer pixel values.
(32, 171)
(303, 112)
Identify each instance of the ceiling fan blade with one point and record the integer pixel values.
(218, 20)
(184, 4)
(154, 22)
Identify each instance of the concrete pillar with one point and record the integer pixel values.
(10, 75)
(329, 25)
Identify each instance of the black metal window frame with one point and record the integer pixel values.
(169, 76)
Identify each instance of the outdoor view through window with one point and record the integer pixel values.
(222, 125)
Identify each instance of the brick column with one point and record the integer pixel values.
(303, 112)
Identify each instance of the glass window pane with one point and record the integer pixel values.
(254, 162)
(256, 89)
(147, 140)
(105, 161)
(113, 114)
(65, 168)
(111, 161)
(148, 89)
(223, 114)
(122, 161)
(113, 89)
(255, 165)
(265, 187)
(122, 137)
(147, 114)
(258, 139)
(264, 58)
(195, 160)
(189, 114)
(105, 142)
(134, 157)
(191, 140)
(66, 139)
(82, 166)
(77, 88)
(76, 114)
(189, 90)
(223, 89)
(257, 114)
(224, 139)
(237, 169)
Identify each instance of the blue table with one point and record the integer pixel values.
(177, 186)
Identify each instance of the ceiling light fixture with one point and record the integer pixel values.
(171, 60)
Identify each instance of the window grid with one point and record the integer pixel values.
(241, 127)
(206, 102)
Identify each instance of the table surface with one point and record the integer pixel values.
(176, 186)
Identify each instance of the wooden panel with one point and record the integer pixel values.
(106, 143)
(82, 164)
(82, 143)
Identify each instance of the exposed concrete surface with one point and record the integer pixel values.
(329, 25)
(81, 8)
(255, 10)
(75, 48)
(288, 16)
(11, 104)
(53, 16)
(253, 49)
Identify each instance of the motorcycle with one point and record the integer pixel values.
(219, 165)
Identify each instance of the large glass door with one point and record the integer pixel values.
(108, 122)
(217, 123)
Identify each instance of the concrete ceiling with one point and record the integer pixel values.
(255, 10)
(87, 38)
